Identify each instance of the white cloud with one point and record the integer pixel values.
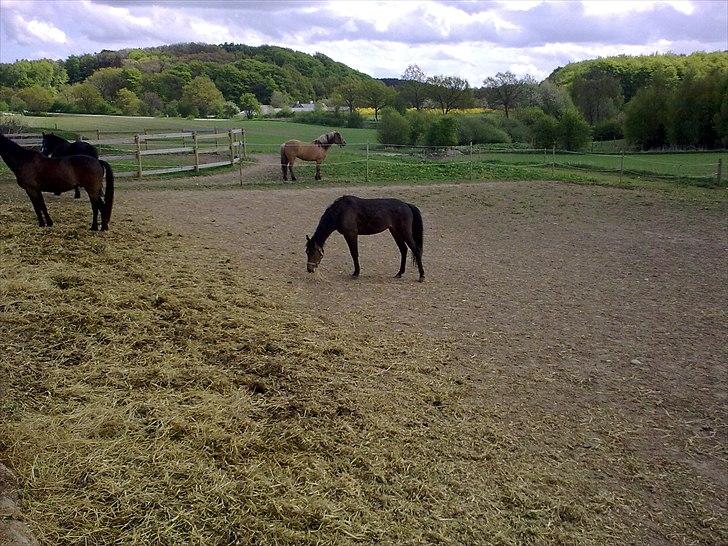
(41, 31)
(623, 7)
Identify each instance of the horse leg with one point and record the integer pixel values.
(290, 168)
(97, 206)
(403, 251)
(33, 196)
(417, 253)
(48, 220)
(284, 168)
(318, 170)
(351, 240)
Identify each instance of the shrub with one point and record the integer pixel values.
(37, 98)
(610, 129)
(17, 104)
(171, 109)
(480, 131)
(4, 106)
(546, 131)
(442, 132)
(355, 120)
(393, 128)
(516, 130)
(230, 109)
(574, 131)
(419, 122)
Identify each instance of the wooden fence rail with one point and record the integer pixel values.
(235, 147)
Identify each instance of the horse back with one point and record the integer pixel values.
(81, 148)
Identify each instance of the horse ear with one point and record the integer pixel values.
(307, 238)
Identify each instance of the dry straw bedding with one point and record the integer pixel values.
(155, 393)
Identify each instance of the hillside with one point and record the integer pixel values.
(638, 71)
(157, 77)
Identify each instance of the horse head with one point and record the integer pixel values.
(336, 138)
(314, 253)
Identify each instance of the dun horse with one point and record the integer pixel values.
(314, 151)
(352, 216)
(36, 173)
(55, 146)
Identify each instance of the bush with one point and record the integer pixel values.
(37, 98)
(230, 109)
(393, 128)
(546, 131)
(442, 132)
(17, 105)
(171, 109)
(4, 106)
(284, 112)
(574, 131)
(419, 122)
(322, 117)
(516, 130)
(480, 131)
(355, 120)
(610, 129)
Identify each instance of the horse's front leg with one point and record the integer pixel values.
(33, 196)
(353, 243)
(290, 169)
(318, 170)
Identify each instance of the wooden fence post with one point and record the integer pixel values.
(138, 143)
(471, 160)
(146, 142)
(366, 179)
(245, 144)
(621, 166)
(718, 173)
(196, 151)
(98, 134)
(232, 147)
(217, 143)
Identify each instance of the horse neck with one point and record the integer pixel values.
(11, 152)
(325, 228)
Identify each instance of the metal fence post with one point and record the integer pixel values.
(138, 143)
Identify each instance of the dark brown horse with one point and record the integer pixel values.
(314, 151)
(55, 146)
(36, 173)
(352, 216)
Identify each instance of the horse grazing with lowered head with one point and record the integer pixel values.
(55, 146)
(37, 173)
(352, 216)
(314, 151)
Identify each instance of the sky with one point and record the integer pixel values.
(468, 38)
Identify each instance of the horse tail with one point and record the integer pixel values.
(109, 193)
(417, 229)
(284, 159)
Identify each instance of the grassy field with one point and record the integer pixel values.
(348, 165)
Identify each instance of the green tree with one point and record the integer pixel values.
(598, 97)
(349, 93)
(37, 98)
(376, 95)
(574, 132)
(127, 102)
(109, 80)
(86, 97)
(414, 88)
(419, 122)
(152, 104)
(552, 99)
(394, 128)
(450, 92)
(201, 96)
(508, 90)
(720, 121)
(230, 109)
(280, 99)
(249, 104)
(693, 108)
(646, 117)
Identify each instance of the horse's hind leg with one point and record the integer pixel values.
(290, 168)
(351, 240)
(318, 170)
(97, 206)
(403, 251)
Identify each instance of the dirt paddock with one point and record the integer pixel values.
(592, 319)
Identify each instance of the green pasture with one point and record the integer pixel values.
(385, 165)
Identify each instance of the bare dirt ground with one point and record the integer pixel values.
(599, 310)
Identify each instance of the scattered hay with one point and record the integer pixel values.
(155, 394)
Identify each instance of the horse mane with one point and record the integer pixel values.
(328, 221)
(325, 140)
(55, 138)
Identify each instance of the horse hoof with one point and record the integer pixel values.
(398, 276)
(104, 228)
(94, 228)
(354, 275)
(421, 279)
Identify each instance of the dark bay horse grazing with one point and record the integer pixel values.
(352, 216)
(55, 146)
(36, 173)
(314, 151)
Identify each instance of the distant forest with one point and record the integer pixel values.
(652, 101)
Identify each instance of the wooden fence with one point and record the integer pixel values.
(192, 143)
